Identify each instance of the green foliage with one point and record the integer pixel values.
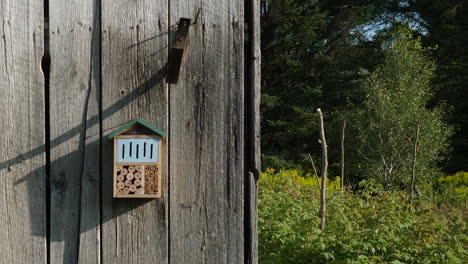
(305, 179)
(317, 54)
(445, 23)
(456, 184)
(382, 130)
(312, 57)
(372, 226)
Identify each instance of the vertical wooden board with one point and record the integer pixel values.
(253, 97)
(74, 131)
(255, 85)
(134, 54)
(22, 141)
(252, 244)
(207, 138)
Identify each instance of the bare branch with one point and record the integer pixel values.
(315, 171)
(324, 171)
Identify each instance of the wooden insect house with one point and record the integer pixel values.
(138, 149)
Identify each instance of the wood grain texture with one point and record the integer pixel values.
(252, 254)
(207, 138)
(205, 197)
(253, 100)
(255, 85)
(22, 149)
(134, 54)
(74, 131)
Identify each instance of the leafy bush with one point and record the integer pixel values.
(382, 129)
(371, 226)
(456, 184)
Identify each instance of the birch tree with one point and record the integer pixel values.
(398, 97)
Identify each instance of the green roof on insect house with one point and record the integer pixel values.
(135, 122)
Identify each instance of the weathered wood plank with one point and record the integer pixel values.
(74, 131)
(207, 137)
(253, 97)
(255, 84)
(22, 141)
(134, 54)
(252, 235)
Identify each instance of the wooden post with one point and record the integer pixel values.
(252, 123)
(343, 155)
(323, 206)
(413, 176)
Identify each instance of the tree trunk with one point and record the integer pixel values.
(413, 177)
(323, 207)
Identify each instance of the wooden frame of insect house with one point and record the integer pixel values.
(138, 152)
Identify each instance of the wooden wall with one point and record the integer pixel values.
(22, 139)
(72, 72)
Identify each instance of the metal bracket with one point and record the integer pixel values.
(177, 51)
(179, 48)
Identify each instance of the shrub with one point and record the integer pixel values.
(371, 226)
(382, 129)
(455, 185)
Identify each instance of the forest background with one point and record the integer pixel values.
(318, 54)
(397, 73)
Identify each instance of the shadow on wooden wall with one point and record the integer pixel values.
(90, 176)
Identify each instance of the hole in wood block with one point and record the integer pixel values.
(151, 179)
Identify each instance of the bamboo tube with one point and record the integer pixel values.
(138, 168)
(120, 178)
(132, 188)
(137, 182)
(124, 171)
(130, 176)
(118, 168)
(128, 183)
(120, 185)
(126, 190)
(137, 175)
(131, 169)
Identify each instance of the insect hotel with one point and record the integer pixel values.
(138, 148)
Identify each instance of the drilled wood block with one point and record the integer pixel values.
(152, 179)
